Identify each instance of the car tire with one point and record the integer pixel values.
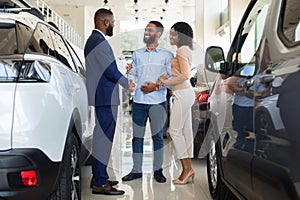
(69, 186)
(217, 188)
(264, 123)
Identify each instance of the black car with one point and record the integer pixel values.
(265, 51)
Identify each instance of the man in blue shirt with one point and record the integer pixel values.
(242, 107)
(149, 101)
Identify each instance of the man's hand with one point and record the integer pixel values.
(148, 87)
(128, 68)
(131, 85)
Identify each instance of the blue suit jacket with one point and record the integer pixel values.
(102, 72)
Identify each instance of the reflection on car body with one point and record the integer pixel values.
(267, 40)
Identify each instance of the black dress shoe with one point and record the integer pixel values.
(112, 183)
(107, 189)
(159, 177)
(132, 176)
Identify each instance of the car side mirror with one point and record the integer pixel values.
(215, 60)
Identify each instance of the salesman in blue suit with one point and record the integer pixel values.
(103, 78)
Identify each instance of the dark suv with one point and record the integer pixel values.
(265, 52)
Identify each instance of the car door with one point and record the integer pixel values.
(243, 56)
(276, 163)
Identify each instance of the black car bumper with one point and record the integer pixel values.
(13, 162)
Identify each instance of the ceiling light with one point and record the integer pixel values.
(105, 5)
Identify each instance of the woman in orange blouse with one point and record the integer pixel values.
(181, 35)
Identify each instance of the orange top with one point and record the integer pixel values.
(181, 68)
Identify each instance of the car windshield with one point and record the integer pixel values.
(14, 37)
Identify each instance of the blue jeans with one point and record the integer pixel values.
(157, 116)
(243, 122)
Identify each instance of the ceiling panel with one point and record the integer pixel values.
(143, 9)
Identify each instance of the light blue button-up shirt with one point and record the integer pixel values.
(240, 99)
(147, 66)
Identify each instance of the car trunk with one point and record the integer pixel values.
(7, 91)
(8, 76)
(14, 39)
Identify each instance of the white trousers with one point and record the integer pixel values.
(180, 128)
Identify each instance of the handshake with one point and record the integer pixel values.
(148, 87)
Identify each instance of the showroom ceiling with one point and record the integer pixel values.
(137, 9)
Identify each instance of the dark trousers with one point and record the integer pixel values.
(243, 122)
(102, 141)
(157, 117)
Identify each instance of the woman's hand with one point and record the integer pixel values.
(163, 78)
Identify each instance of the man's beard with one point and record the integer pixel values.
(150, 40)
(109, 31)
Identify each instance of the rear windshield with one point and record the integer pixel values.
(8, 42)
(14, 38)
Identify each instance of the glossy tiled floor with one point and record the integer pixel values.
(146, 188)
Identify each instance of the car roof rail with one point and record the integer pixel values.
(33, 11)
(14, 4)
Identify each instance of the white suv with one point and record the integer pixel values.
(44, 110)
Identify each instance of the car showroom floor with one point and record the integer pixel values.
(146, 187)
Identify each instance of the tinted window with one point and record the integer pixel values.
(41, 41)
(8, 42)
(290, 25)
(252, 31)
(24, 34)
(77, 61)
(61, 50)
(250, 38)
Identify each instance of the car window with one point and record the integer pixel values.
(252, 34)
(41, 41)
(77, 61)
(62, 52)
(290, 22)
(8, 42)
(24, 34)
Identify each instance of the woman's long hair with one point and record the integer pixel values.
(185, 34)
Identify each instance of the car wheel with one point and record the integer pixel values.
(264, 123)
(69, 186)
(212, 170)
(217, 188)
